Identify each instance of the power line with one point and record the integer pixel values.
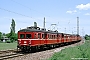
(14, 12)
(23, 6)
(17, 14)
(20, 13)
(28, 7)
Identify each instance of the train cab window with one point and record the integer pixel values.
(22, 36)
(28, 36)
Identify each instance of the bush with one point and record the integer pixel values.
(8, 41)
(0, 41)
(82, 51)
(87, 37)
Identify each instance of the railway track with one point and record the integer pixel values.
(7, 51)
(9, 54)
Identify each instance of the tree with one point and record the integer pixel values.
(12, 34)
(8, 35)
(87, 37)
(0, 35)
(13, 26)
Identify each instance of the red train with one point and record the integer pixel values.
(33, 38)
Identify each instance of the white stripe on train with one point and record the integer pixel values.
(46, 39)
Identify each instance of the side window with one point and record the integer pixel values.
(65, 37)
(22, 36)
(35, 36)
(28, 36)
(58, 36)
(62, 35)
(52, 36)
(43, 36)
(55, 36)
(39, 35)
(48, 36)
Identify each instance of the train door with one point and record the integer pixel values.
(46, 37)
(62, 40)
(58, 36)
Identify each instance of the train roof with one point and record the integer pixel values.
(29, 29)
(37, 29)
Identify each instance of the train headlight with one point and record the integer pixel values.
(25, 42)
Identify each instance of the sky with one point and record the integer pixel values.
(63, 13)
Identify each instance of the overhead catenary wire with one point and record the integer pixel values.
(25, 7)
(14, 12)
(28, 7)
(18, 14)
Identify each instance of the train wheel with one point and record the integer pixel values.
(33, 48)
(52, 46)
(42, 47)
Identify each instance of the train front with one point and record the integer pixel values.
(24, 40)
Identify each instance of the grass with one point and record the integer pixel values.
(70, 53)
(6, 46)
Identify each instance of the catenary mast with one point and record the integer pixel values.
(77, 25)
